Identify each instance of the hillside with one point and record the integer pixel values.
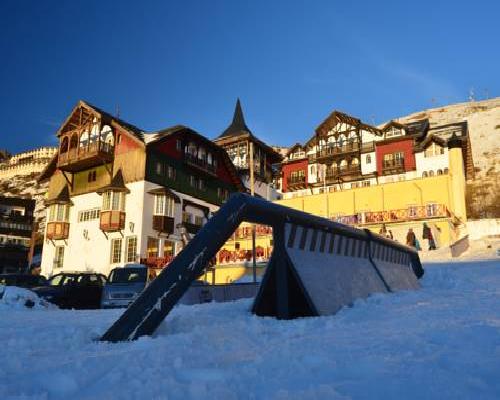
(483, 118)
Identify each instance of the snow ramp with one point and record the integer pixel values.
(317, 267)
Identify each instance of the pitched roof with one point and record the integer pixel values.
(61, 198)
(117, 184)
(238, 125)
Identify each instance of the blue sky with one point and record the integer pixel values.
(291, 62)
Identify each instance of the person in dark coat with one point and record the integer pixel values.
(427, 234)
(411, 239)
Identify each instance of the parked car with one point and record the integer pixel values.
(124, 285)
(26, 281)
(74, 290)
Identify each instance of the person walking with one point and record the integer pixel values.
(411, 239)
(427, 234)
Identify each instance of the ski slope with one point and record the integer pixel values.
(441, 342)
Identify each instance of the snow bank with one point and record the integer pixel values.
(12, 297)
(440, 342)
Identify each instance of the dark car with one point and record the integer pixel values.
(74, 290)
(26, 281)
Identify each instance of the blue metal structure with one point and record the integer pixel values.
(282, 293)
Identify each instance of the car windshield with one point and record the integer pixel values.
(64, 280)
(128, 275)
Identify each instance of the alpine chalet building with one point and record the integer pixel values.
(120, 195)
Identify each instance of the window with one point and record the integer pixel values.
(201, 185)
(59, 213)
(113, 201)
(198, 220)
(439, 172)
(192, 181)
(164, 205)
(445, 171)
(168, 248)
(186, 217)
(88, 215)
(152, 247)
(159, 168)
(178, 145)
(366, 183)
(431, 173)
(131, 249)
(59, 257)
(92, 176)
(368, 159)
(431, 209)
(424, 174)
(433, 149)
(118, 139)
(116, 251)
(171, 172)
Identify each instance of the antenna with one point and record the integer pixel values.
(117, 112)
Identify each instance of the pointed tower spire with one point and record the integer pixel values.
(238, 126)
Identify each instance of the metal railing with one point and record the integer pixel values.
(200, 162)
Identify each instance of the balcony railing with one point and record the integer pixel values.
(414, 213)
(112, 221)
(192, 228)
(200, 163)
(157, 262)
(333, 175)
(57, 230)
(163, 224)
(245, 232)
(393, 166)
(225, 256)
(329, 151)
(368, 147)
(296, 180)
(82, 157)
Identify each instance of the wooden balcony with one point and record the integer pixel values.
(327, 152)
(157, 262)
(80, 158)
(112, 221)
(200, 164)
(391, 167)
(163, 224)
(57, 230)
(192, 228)
(342, 173)
(296, 182)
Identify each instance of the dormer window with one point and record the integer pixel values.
(113, 201)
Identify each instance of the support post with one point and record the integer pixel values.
(252, 192)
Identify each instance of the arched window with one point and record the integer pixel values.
(107, 135)
(424, 174)
(84, 139)
(431, 173)
(439, 172)
(355, 162)
(343, 164)
(73, 143)
(341, 141)
(64, 145)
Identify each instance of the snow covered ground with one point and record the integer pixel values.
(441, 342)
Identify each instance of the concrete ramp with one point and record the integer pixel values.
(317, 267)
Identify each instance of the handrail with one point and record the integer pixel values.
(146, 313)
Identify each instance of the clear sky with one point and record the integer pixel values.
(291, 62)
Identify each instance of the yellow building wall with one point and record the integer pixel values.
(82, 185)
(385, 197)
(388, 196)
